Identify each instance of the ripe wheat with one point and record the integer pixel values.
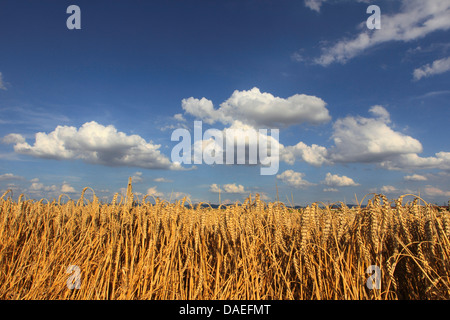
(131, 249)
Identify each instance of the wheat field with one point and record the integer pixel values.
(151, 249)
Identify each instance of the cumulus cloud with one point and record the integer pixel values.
(413, 161)
(93, 143)
(366, 140)
(437, 67)
(330, 190)
(415, 177)
(215, 188)
(174, 195)
(233, 188)
(334, 180)
(152, 191)
(202, 109)
(38, 188)
(389, 189)
(13, 138)
(381, 113)
(227, 188)
(373, 139)
(294, 179)
(260, 109)
(359, 139)
(237, 144)
(416, 19)
(251, 110)
(67, 188)
(314, 155)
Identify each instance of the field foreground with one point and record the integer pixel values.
(152, 249)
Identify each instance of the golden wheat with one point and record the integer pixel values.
(135, 249)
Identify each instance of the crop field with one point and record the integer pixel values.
(151, 249)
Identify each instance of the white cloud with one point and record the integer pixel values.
(381, 113)
(366, 140)
(334, 180)
(215, 188)
(152, 191)
(264, 197)
(233, 188)
(330, 190)
(372, 140)
(412, 161)
(137, 177)
(168, 127)
(179, 117)
(38, 187)
(359, 139)
(415, 177)
(260, 110)
(14, 188)
(201, 108)
(314, 4)
(294, 179)
(174, 195)
(174, 126)
(296, 56)
(416, 19)
(393, 190)
(245, 144)
(227, 188)
(314, 155)
(13, 138)
(66, 188)
(162, 180)
(437, 67)
(9, 176)
(433, 94)
(245, 111)
(389, 189)
(433, 192)
(93, 143)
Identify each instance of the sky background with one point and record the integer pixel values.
(359, 111)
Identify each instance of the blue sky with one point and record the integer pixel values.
(359, 110)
